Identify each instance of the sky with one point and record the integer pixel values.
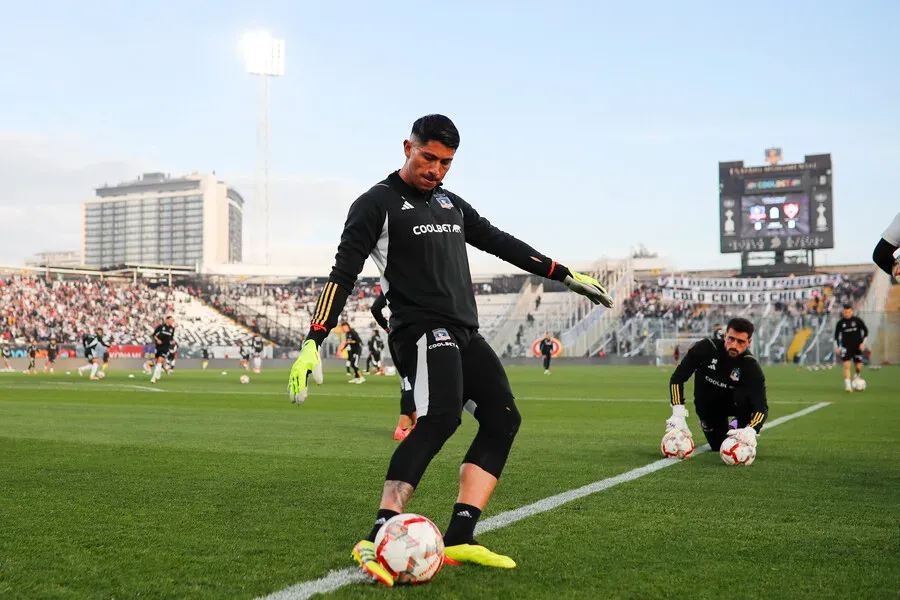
(587, 128)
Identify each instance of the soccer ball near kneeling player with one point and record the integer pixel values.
(677, 443)
(411, 548)
(737, 453)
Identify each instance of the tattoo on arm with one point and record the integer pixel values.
(395, 495)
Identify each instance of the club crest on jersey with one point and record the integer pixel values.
(735, 374)
(443, 201)
(440, 335)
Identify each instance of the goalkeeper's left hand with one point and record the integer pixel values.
(307, 363)
(747, 435)
(588, 287)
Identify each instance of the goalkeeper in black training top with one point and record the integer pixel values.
(416, 232)
(729, 383)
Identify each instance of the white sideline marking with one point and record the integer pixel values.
(661, 401)
(339, 578)
(144, 387)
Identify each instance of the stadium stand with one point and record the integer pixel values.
(127, 312)
(514, 312)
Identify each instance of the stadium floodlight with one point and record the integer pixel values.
(263, 56)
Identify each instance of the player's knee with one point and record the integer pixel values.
(436, 429)
(503, 423)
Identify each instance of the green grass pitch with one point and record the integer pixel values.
(212, 489)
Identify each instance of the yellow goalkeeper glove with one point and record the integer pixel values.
(307, 363)
(588, 287)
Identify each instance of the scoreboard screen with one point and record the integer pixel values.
(777, 207)
(774, 216)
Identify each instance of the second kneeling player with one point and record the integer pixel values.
(729, 383)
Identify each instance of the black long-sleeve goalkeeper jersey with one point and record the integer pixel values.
(720, 378)
(418, 241)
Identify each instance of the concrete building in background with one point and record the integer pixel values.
(193, 221)
(67, 258)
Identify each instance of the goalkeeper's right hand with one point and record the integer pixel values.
(308, 362)
(678, 419)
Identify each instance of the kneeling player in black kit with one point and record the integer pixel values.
(729, 383)
(416, 232)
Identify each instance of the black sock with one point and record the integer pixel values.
(462, 525)
(381, 518)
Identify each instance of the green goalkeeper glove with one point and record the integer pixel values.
(308, 362)
(588, 287)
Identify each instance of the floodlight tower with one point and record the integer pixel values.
(263, 56)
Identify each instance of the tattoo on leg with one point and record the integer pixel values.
(396, 494)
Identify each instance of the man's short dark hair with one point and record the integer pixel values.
(436, 128)
(741, 325)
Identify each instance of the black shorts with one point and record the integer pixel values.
(353, 358)
(848, 354)
(162, 351)
(376, 356)
(51, 357)
(450, 369)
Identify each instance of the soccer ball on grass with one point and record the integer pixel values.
(245, 379)
(411, 548)
(735, 453)
(100, 374)
(677, 443)
(859, 384)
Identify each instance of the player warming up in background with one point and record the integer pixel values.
(163, 336)
(546, 349)
(205, 353)
(52, 354)
(258, 345)
(171, 355)
(850, 335)
(729, 383)
(434, 328)
(353, 345)
(93, 351)
(244, 352)
(407, 401)
(376, 345)
(6, 354)
(32, 357)
(883, 254)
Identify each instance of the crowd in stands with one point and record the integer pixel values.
(34, 308)
(646, 301)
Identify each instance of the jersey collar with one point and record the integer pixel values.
(407, 191)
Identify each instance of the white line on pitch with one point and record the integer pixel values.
(314, 393)
(339, 578)
(145, 388)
